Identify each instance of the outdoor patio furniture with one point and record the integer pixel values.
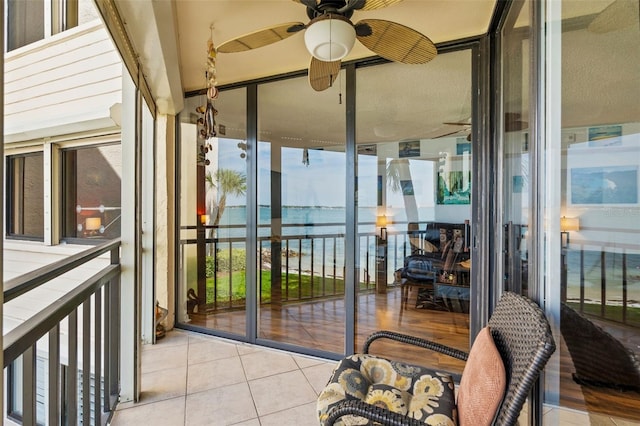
(600, 360)
(418, 272)
(502, 366)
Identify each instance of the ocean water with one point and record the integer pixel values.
(317, 230)
(613, 275)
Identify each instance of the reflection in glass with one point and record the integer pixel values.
(414, 204)
(26, 205)
(516, 158)
(91, 195)
(302, 214)
(600, 265)
(212, 290)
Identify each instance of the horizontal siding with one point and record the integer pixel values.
(68, 41)
(52, 69)
(66, 80)
(65, 89)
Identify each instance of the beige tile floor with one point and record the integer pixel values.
(194, 379)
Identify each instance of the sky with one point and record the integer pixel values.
(322, 182)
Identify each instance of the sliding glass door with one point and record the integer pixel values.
(406, 149)
(414, 159)
(301, 215)
(212, 288)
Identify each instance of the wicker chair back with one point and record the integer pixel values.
(523, 337)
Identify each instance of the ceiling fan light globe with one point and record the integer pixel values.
(330, 40)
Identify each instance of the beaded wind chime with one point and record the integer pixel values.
(207, 121)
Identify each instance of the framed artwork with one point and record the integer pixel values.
(409, 149)
(369, 149)
(604, 185)
(454, 187)
(407, 187)
(462, 146)
(518, 184)
(605, 136)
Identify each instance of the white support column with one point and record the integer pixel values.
(129, 299)
(165, 215)
(51, 185)
(551, 176)
(147, 197)
(2, 162)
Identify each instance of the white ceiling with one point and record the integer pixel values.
(170, 36)
(440, 20)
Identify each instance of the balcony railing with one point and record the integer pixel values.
(602, 282)
(62, 364)
(312, 266)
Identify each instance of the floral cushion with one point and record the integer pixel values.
(417, 392)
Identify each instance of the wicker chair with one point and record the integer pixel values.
(523, 340)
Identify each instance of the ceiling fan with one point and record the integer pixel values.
(464, 127)
(330, 36)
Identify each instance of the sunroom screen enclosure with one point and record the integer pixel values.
(412, 161)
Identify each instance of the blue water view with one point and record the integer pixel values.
(317, 230)
(613, 276)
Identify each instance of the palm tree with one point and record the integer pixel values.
(398, 173)
(228, 182)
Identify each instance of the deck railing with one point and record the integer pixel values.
(57, 376)
(312, 266)
(603, 281)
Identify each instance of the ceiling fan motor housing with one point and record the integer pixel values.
(342, 7)
(330, 37)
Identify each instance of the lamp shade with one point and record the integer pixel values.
(92, 223)
(569, 224)
(381, 221)
(330, 38)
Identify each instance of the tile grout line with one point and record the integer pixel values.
(253, 401)
(186, 382)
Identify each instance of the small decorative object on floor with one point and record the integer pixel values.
(192, 301)
(161, 314)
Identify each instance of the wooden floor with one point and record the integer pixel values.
(320, 325)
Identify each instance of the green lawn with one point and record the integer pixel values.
(611, 312)
(302, 286)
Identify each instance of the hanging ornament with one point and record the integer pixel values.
(207, 121)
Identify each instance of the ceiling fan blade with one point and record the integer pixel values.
(395, 42)
(378, 4)
(514, 126)
(444, 135)
(619, 14)
(261, 37)
(513, 122)
(323, 74)
(457, 123)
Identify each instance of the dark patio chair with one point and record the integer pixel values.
(418, 272)
(502, 366)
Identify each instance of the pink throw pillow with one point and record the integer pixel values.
(483, 382)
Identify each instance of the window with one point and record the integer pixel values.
(33, 20)
(25, 212)
(91, 192)
(25, 22)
